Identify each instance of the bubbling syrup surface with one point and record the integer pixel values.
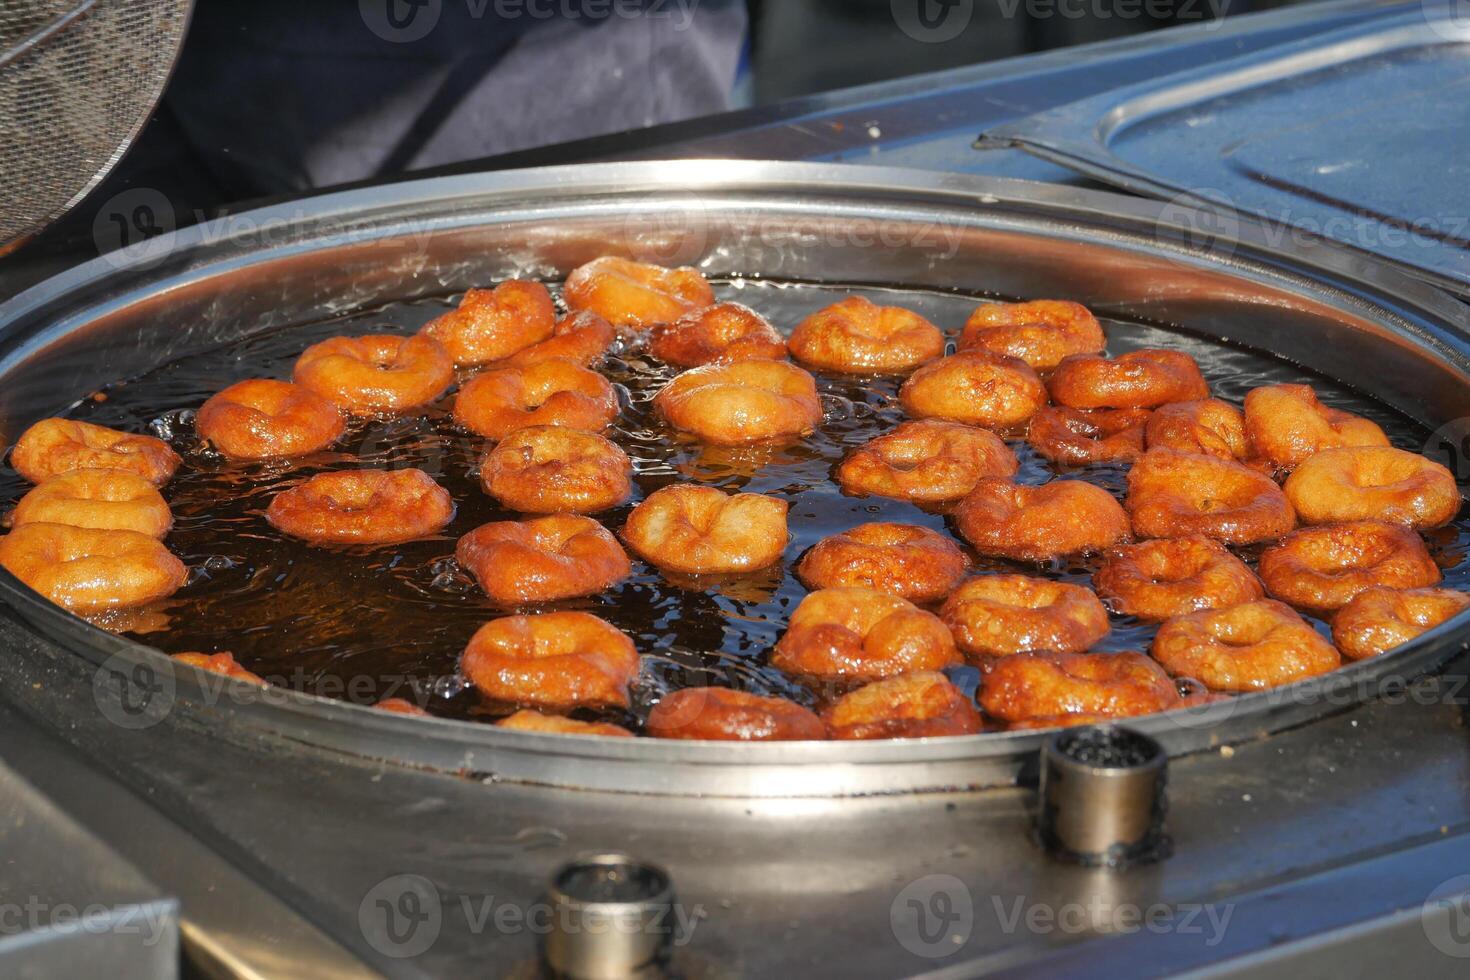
(362, 624)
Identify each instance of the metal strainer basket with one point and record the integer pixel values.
(78, 78)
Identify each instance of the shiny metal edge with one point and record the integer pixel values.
(1402, 308)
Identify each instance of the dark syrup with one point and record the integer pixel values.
(363, 624)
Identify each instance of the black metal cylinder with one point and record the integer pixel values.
(611, 918)
(1102, 796)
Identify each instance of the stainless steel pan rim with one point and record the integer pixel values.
(1402, 323)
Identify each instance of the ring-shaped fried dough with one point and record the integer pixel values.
(1322, 568)
(721, 334)
(52, 447)
(1041, 332)
(223, 663)
(527, 720)
(549, 469)
(1288, 423)
(1167, 577)
(927, 462)
(725, 715)
(559, 660)
(919, 705)
(857, 336)
(636, 294)
(115, 500)
(974, 387)
(1373, 483)
(502, 400)
(1056, 685)
(860, 635)
(704, 531)
(1250, 647)
(582, 338)
(1208, 426)
(368, 507)
(1077, 437)
(89, 571)
(905, 560)
(543, 560)
(266, 419)
(742, 403)
(1378, 619)
(1173, 494)
(1139, 379)
(493, 324)
(1002, 615)
(1063, 517)
(377, 374)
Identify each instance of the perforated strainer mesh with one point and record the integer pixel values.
(77, 80)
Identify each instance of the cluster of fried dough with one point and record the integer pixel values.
(1338, 512)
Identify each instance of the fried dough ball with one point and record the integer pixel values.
(635, 294)
(548, 469)
(704, 531)
(493, 324)
(534, 721)
(1000, 615)
(857, 336)
(223, 663)
(266, 419)
(720, 334)
(376, 374)
(721, 714)
(1173, 494)
(1077, 437)
(543, 560)
(559, 659)
(1248, 647)
(582, 338)
(1138, 379)
(1320, 569)
(741, 403)
(1063, 517)
(1287, 423)
(1208, 426)
(1378, 619)
(927, 462)
(502, 400)
(87, 570)
(1054, 686)
(55, 446)
(102, 499)
(905, 560)
(1373, 483)
(370, 507)
(919, 705)
(975, 387)
(1041, 332)
(861, 635)
(401, 706)
(1166, 577)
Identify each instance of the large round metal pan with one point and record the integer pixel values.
(1344, 315)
